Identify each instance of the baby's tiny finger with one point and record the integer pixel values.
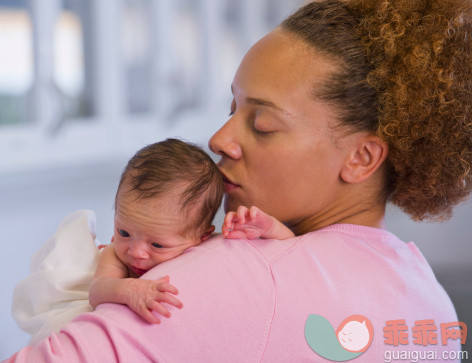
(226, 231)
(164, 279)
(155, 306)
(228, 227)
(150, 317)
(226, 220)
(169, 299)
(166, 287)
(229, 216)
(242, 214)
(253, 212)
(231, 222)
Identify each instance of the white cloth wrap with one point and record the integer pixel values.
(57, 289)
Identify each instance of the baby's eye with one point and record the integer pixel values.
(157, 245)
(123, 233)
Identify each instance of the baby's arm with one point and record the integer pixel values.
(253, 223)
(111, 283)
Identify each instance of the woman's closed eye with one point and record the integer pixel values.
(262, 133)
(255, 129)
(261, 128)
(123, 233)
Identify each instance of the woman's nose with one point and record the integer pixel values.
(137, 250)
(224, 141)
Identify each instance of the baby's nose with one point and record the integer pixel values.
(136, 250)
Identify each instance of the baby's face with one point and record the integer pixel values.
(147, 232)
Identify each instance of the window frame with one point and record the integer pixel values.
(113, 133)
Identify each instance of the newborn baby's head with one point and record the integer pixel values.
(167, 198)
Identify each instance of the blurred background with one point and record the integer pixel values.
(84, 84)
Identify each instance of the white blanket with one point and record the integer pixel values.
(61, 272)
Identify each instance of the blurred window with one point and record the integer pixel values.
(72, 59)
(162, 62)
(136, 51)
(16, 62)
(123, 71)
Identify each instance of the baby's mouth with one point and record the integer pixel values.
(138, 271)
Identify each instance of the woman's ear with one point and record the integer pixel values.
(365, 158)
(207, 233)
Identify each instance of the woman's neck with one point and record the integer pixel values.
(371, 216)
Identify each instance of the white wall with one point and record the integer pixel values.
(30, 209)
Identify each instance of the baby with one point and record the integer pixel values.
(166, 200)
(167, 197)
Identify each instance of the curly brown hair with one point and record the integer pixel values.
(405, 74)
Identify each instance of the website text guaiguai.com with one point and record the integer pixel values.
(422, 355)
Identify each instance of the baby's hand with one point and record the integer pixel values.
(144, 296)
(247, 223)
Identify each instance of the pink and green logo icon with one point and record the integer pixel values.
(351, 339)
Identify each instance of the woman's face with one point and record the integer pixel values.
(277, 149)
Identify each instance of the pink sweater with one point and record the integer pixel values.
(248, 301)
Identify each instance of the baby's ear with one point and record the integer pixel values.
(207, 234)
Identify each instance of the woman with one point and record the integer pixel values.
(343, 107)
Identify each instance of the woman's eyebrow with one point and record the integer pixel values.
(261, 102)
(267, 103)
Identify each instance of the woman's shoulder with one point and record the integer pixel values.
(356, 235)
(215, 254)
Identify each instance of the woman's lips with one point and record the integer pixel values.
(229, 185)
